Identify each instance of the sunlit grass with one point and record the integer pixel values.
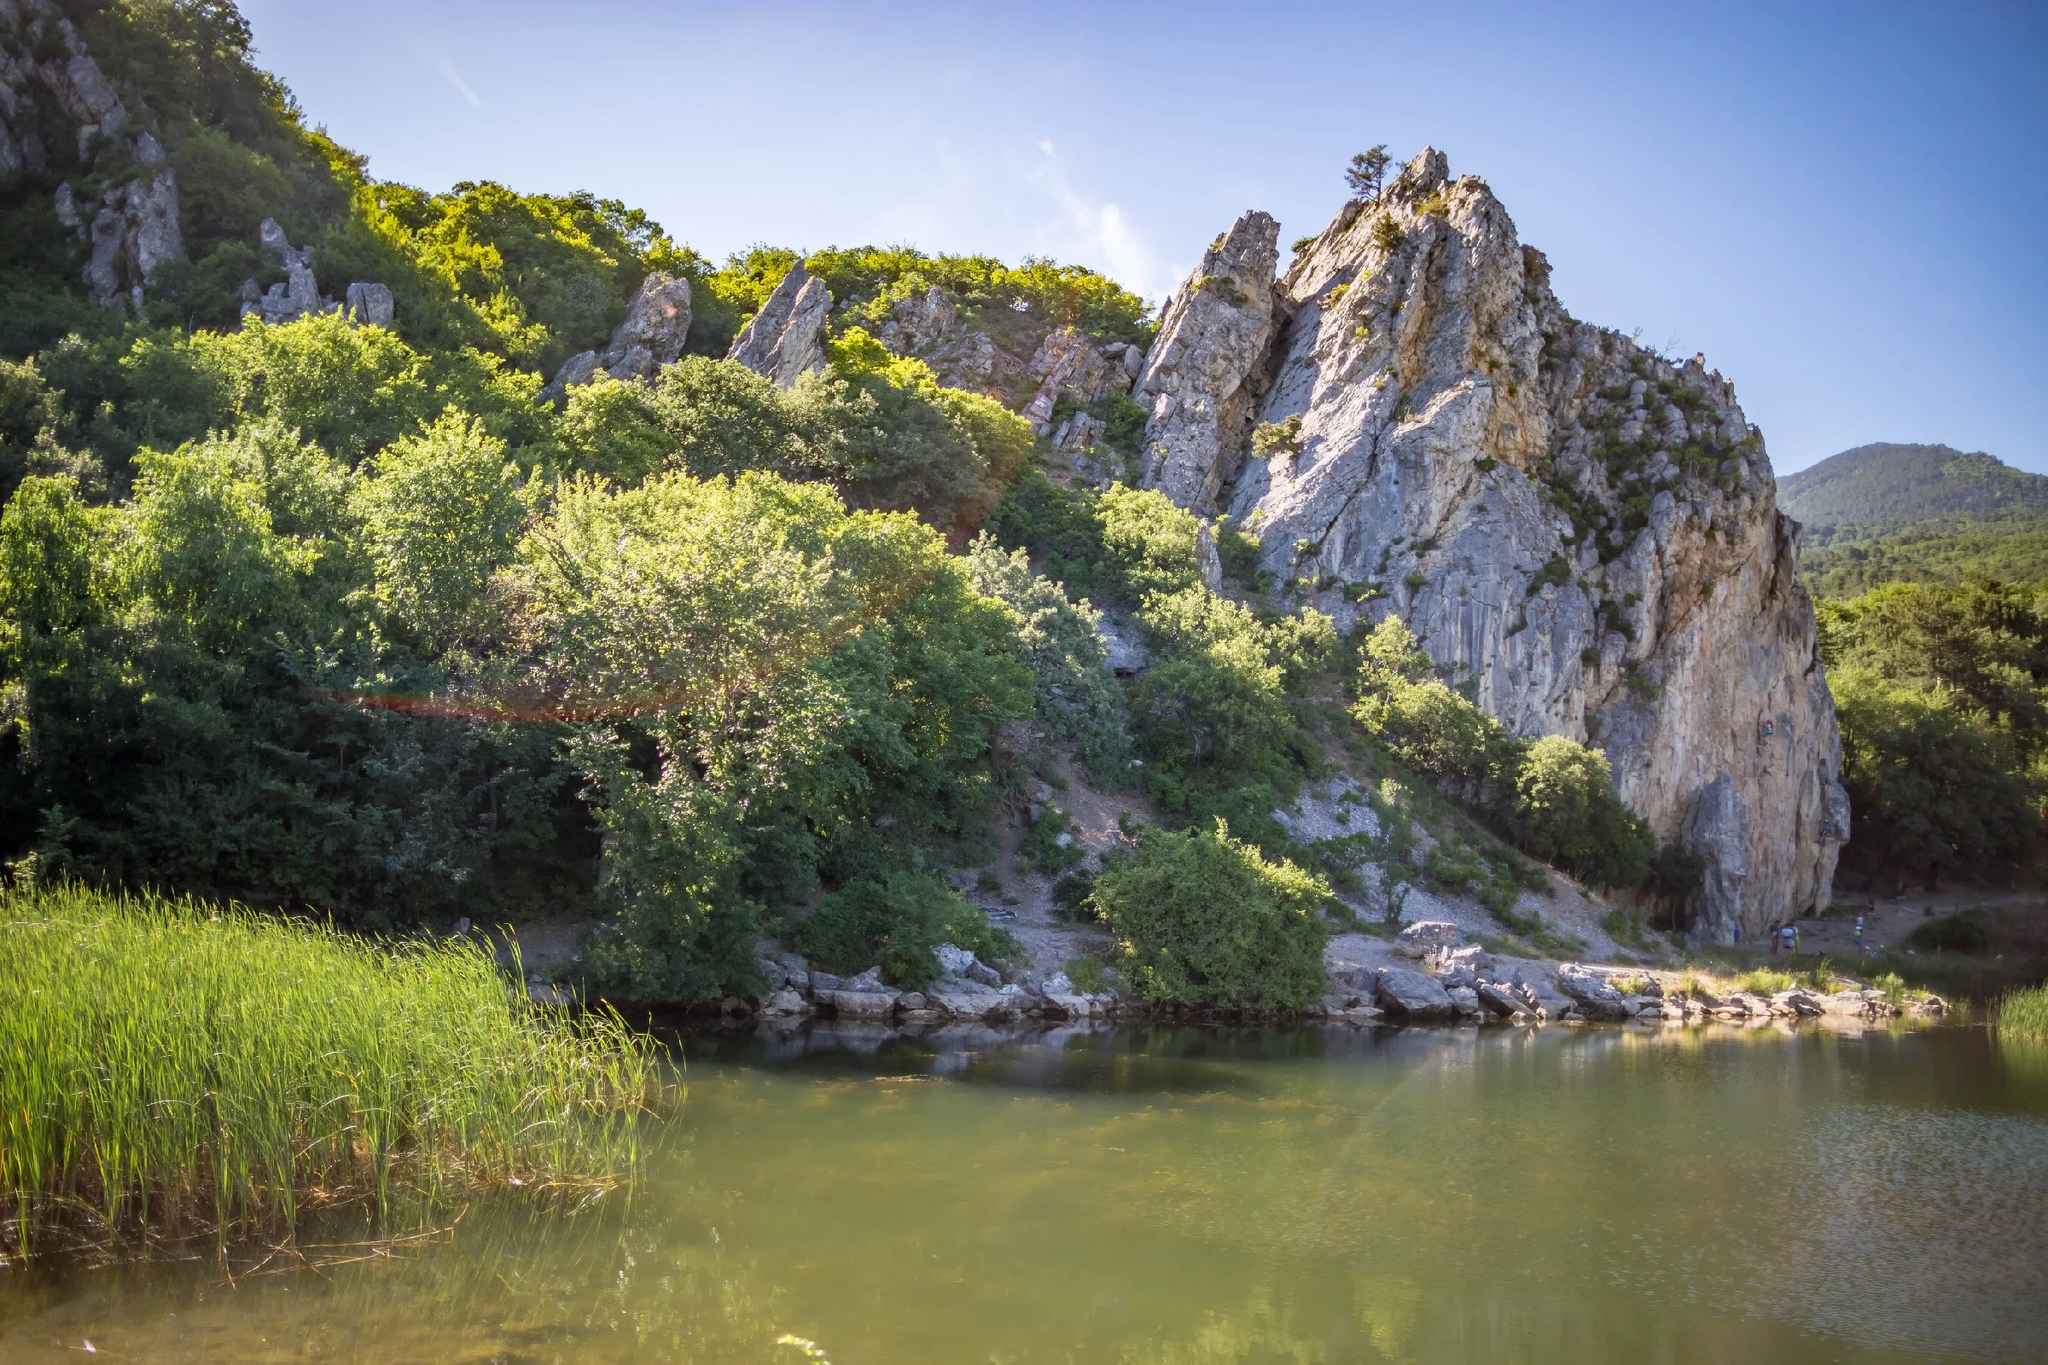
(167, 1067)
(2024, 1013)
(1764, 981)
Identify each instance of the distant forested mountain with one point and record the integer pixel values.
(1917, 513)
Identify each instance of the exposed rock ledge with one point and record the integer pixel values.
(1583, 530)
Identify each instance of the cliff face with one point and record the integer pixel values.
(1584, 532)
(58, 110)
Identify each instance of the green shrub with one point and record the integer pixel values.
(1556, 572)
(1202, 918)
(1560, 805)
(1087, 974)
(1414, 714)
(1277, 438)
(1962, 933)
(1042, 847)
(1078, 698)
(895, 923)
(1071, 896)
(1386, 233)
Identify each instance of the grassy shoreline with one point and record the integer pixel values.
(170, 1068)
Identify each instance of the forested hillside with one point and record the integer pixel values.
(1917, 513)
(1930, 563)
(358, 555)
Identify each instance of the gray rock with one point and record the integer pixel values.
(548, 993)
(953, 960)
(918, 323)
(911, 1000)
(986, 975)
(1202, 377)
(1585, 986)
(132, 226)
(1464, 1000)
(652, 334)
(655, 328)
(580, 368)
(1411, 994)
(371, 304)
(785, 1003)
(980, 1005)
(1497, 999)
(786, 339)
(1067, 361)
(1426, 936)
(825, 981)
(1123, 651)
(773, 973)
(272, 235)
(1057, 984)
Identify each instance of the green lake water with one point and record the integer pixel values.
(1185, 1196)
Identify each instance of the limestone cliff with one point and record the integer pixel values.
(1582, 531)
(126, 213)
(786, 339)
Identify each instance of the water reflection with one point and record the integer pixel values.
(1194, 1196)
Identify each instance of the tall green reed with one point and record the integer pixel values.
(168, 1066)
(2024, 1013)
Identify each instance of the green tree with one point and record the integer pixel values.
(1935, 784)
(1560, 805)
(439, 512)
(1078, 698)
(896, 922)
(1368, 172)
(1202, 918)
(1417, 716)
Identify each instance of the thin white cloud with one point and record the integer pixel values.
(455, 79)
(1098, 229)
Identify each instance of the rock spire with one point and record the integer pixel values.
(1582, 532)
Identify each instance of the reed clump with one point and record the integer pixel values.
(2024, 1013)
(170, 1068)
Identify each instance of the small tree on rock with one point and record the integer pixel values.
(1368, 172)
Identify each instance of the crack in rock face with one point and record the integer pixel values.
(1583, 531)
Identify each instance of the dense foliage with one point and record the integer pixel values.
(1904, 513)
(1202, 918)
(1939, 691)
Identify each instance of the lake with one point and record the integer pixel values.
(1193, 1196)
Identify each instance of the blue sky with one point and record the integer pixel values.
(1842, 206)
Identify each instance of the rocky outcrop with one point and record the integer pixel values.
(786, 339)
(1582, 531)
(651, 335)
(298, 294)
(1065, 364)
(128, 227)
(1203, 376)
